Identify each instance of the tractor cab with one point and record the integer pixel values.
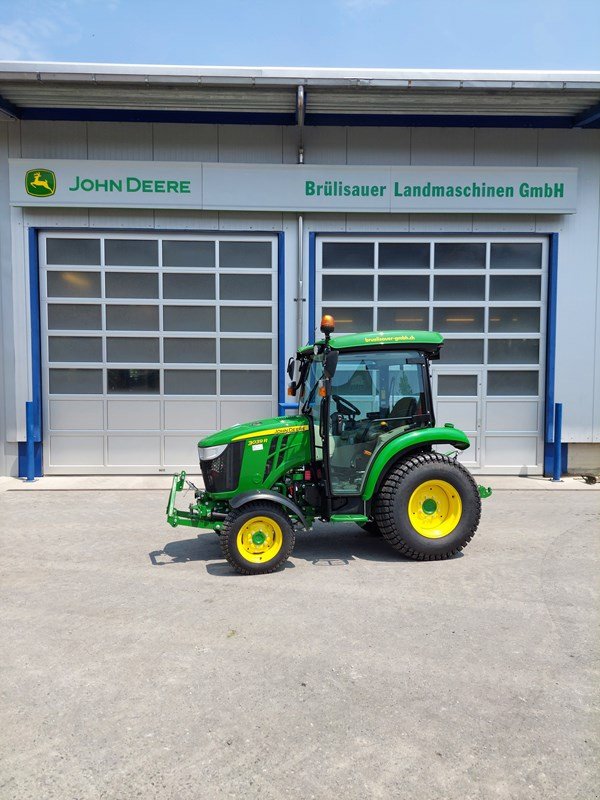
(361, 391)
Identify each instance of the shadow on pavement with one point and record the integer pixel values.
(324, 546)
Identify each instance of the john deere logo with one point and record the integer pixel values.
(40, 182)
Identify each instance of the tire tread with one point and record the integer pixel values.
(384, 507)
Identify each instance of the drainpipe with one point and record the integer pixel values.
(300, 122)
(300, 289)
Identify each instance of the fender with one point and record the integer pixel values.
(406, 442)
(275, 497)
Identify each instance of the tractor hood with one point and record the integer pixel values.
(262, 427)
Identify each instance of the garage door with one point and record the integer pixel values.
(151, 341)
(487, 296)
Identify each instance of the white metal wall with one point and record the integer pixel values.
(578, 347)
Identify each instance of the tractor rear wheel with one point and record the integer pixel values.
(428, 507)
(257, 538)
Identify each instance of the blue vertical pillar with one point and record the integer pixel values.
(557, 459)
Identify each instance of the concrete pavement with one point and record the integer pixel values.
(137, 664)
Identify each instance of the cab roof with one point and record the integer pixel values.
(428, 341)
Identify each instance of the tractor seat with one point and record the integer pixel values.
(405, 407)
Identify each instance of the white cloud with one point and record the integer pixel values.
(36, 38)
(21, 41)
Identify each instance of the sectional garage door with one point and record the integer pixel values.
(487, 296)
(150, 341)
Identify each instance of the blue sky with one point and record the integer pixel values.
(486, 34)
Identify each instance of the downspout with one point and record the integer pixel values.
(300, 122)
(300, 289)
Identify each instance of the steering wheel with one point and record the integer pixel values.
(345, 406)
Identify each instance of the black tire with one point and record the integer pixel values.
(240, 517)
(392, 507)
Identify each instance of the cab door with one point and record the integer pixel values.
(457, 399)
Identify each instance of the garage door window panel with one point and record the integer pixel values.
(74, 284)
(133, 381)
(404, 255)
(198, 255)
(397, 318)
(459, 255)
(348, 255)
(73, 252)
(75, 381)
(351, 320)
(463, 319)
(516, 255)
(337, 287)
(75, 348)
(514, 320)
(462, 351)
(127, 349)
(189, 318)
(242, 319)
(74, 316)
(188, 286)
(245, 255)
(457, 385)
(513, 383)
(179, 350)
(515, 287)
(188, 381)
(513, 351)
(131, 318)
(403, 287)
(246, 351)
(245, 287)
(131, 253)
(132, 285)
(459, 287)
(246, 382)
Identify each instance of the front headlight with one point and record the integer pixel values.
(208, 453)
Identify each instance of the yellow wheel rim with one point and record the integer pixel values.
(259, 539)
(435, 509)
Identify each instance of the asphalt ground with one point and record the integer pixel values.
(135, 663)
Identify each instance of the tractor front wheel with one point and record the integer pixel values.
(428, 507)
(257, 538)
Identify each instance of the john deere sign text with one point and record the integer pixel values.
(268, 187)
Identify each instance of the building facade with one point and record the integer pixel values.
(169, 237)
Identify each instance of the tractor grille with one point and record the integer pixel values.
(222, 474)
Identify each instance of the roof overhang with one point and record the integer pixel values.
(269, 95)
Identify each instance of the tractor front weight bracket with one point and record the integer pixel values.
(198, 515)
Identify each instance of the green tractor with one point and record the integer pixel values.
(361, 449)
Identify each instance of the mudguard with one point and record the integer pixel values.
(405, 443)
(274, 497)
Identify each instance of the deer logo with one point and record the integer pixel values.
(40, 182)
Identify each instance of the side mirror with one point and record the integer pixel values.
(330, 363)
(290, 367)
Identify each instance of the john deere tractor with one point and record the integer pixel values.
(361, 450)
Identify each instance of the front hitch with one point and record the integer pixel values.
(483, 492)
(176, 486)
(201, 514)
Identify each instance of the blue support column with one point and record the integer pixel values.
(29, 423)
(557, 467)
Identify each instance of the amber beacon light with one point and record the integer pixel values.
(327, 324)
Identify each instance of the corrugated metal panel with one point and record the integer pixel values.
(379, 145)
(413, 101)
(134, 96)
